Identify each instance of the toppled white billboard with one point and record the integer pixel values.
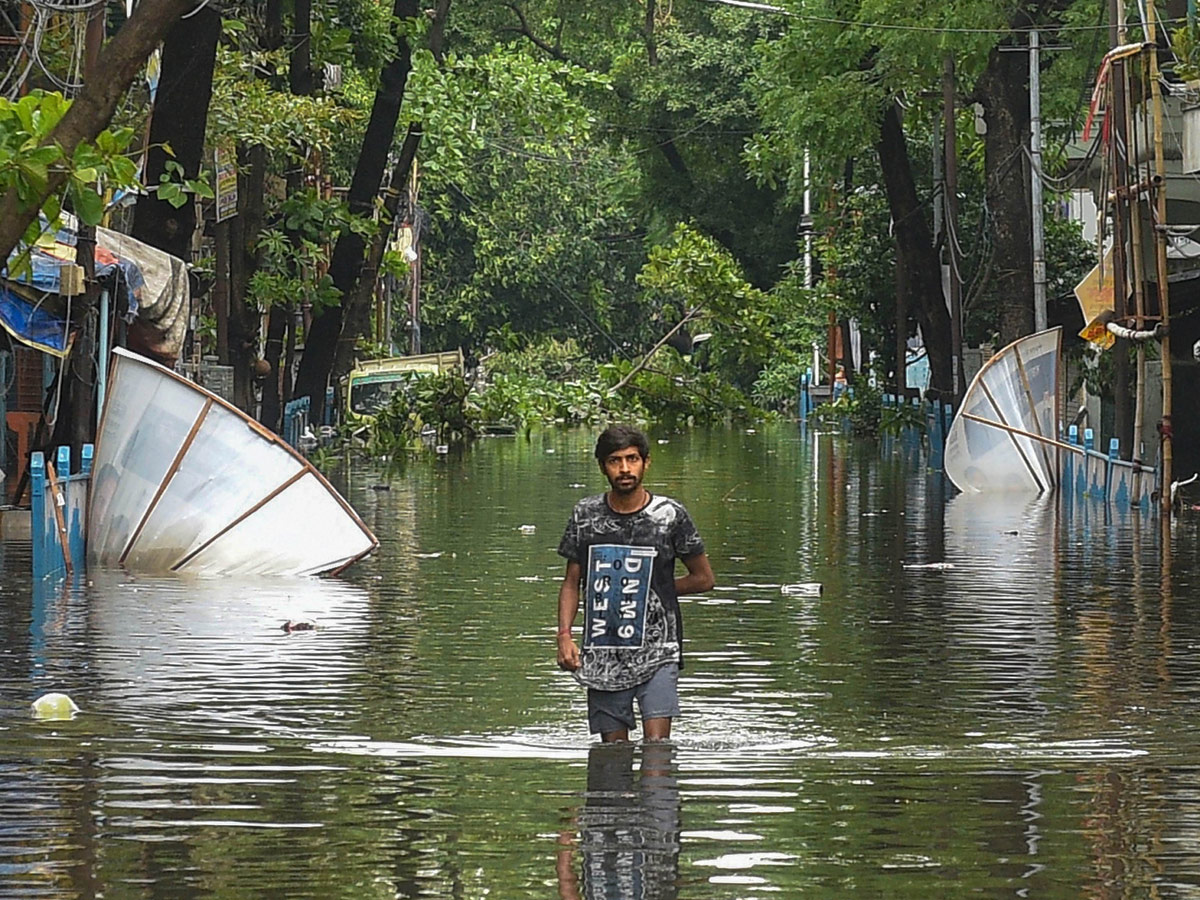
(184, 482)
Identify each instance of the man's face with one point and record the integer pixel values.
(624, 469)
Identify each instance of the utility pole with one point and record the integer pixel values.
(414, 309)
(951, 194)
(807, 224)
(1035, 151)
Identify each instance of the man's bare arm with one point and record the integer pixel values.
(568, 606)
(699, 577)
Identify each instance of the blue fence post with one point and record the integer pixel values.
(1073, 435)
(911, 435)
(330, 407)
(1114, 453)
(1089, 439)
(802, 397)
(43, 539)
(295, 420)
(937, 437)
(62, 463)
(85, 462)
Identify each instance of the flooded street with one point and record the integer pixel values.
(989, 697)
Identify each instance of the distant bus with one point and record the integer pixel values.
(370, 386)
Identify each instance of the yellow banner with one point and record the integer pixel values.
(1095, 295)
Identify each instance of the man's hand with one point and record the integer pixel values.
(568, 606)
(568, 653)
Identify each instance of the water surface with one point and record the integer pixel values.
(990, 698)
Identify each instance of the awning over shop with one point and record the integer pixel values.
(149, 286)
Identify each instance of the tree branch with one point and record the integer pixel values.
(691, 314)
(120, 61)
(527, 32)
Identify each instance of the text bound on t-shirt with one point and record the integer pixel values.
(618, 585)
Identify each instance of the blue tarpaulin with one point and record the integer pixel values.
(33, 324)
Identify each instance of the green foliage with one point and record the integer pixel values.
(779, 382)
(674, 392)
(424, 404)
(29, 160)
(527, 225)
(548, 382)
(294, 251)
(896, 419)
(1185, 43)
(691, 275)
(248, 109)
(175, 188)
(860, 408)
(857, 254)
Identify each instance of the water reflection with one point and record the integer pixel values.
(628, 827)
(216, 650)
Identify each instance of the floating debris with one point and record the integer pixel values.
(802, 589)
(934, 566)
(549, 449)
(442, 449)
(433, 555)
(527, 529)
(54, 706)
(381, 487)
(299, 625)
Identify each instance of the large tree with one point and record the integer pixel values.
(681, 102)
(346, 265)
(177, 129)
(91, 112)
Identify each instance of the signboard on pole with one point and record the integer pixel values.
(226, 189)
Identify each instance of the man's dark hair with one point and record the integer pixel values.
(618, 437)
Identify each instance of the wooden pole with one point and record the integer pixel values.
(1139, 278)
(1160, 247)
(1119, 165)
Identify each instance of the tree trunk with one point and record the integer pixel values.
(358, 310)
(300, 73)
(120, 61)
(321, 342)
(178, 121)
(277, 386)
(243, 262)
(919, 278)
(271, 414)
(1002, 90)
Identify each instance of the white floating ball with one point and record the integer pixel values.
(54, 706)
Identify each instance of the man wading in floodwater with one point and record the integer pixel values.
(622, 546)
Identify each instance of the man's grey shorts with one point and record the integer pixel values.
(657, 698)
